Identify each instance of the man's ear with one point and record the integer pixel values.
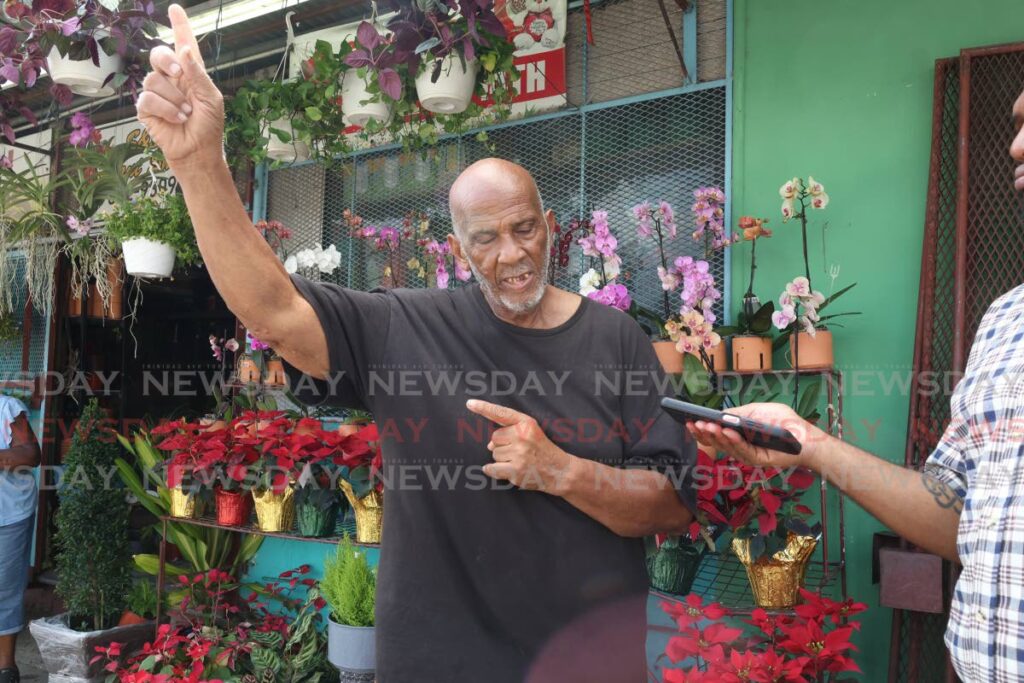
(456, 246)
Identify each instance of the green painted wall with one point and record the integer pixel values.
(842, 90)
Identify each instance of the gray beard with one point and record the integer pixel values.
(495, 298)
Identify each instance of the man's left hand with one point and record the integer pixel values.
(523, 454)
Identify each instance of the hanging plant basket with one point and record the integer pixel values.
(279, 150)
(355, 107)
(83, 77)
(454, 87)
(146, 258)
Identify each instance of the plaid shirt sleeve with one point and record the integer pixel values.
(947, 462)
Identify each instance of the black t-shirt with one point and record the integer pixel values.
(480, 581)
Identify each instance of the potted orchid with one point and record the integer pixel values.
(751, 341)
(799, 317)
(599, 245)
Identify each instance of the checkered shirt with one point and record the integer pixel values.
(981, 456)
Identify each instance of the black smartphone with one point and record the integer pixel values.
(753, 432)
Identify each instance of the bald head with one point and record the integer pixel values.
(485, 183)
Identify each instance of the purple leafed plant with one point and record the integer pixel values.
(436, 28)
(377, 54)
(78, 34)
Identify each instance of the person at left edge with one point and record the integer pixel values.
(19, 453)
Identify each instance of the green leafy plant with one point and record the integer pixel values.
(28, 224)
(349, 586)
(142, 599)
(299, 655)
(161, 219)
(93, 555)
(9, 329)
(759, 324)
(201, 547)
(311, 107)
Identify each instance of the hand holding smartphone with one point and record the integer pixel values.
(751, 431)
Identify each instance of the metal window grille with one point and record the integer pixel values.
(971, 255)
(609, 159)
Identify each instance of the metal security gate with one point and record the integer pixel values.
(973, 252)
(609, 157)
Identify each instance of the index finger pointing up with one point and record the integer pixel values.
(183, 33)
(503, 415)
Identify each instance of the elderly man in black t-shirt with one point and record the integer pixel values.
(524, 449)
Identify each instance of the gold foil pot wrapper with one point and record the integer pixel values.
(184, 504)
(776, 580)
(369, 512)
(275, 511)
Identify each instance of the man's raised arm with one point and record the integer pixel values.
(184, 114)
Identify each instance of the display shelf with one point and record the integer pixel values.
(722, 578)
(346, 526)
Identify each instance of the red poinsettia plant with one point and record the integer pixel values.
(761, 504)
(811, 646)
(213, 634)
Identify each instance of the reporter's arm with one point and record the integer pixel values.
(921, 507)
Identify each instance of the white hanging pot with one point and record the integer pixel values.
(81, 76)
(354, 108)
(145, 258)
(453, 89)
(291, 151)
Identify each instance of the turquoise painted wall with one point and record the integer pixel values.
(842, 90)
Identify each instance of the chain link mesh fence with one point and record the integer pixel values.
(609, 159)
(11, 350)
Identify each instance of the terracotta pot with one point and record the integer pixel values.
(74, 303)
(115, 276)
(233, 507)
(248, 371)
(751, 353)
(212, 424)
(275, 372)
(671, 360)
(811, 353)
(94, 305)
(719, 359)
(129, 617)
(348, 430)
(776, 580)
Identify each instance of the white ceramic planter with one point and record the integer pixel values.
(81, 75)
(454, 87)
(146, 258)
(354, 107)
(291, 151)
(351, 649)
